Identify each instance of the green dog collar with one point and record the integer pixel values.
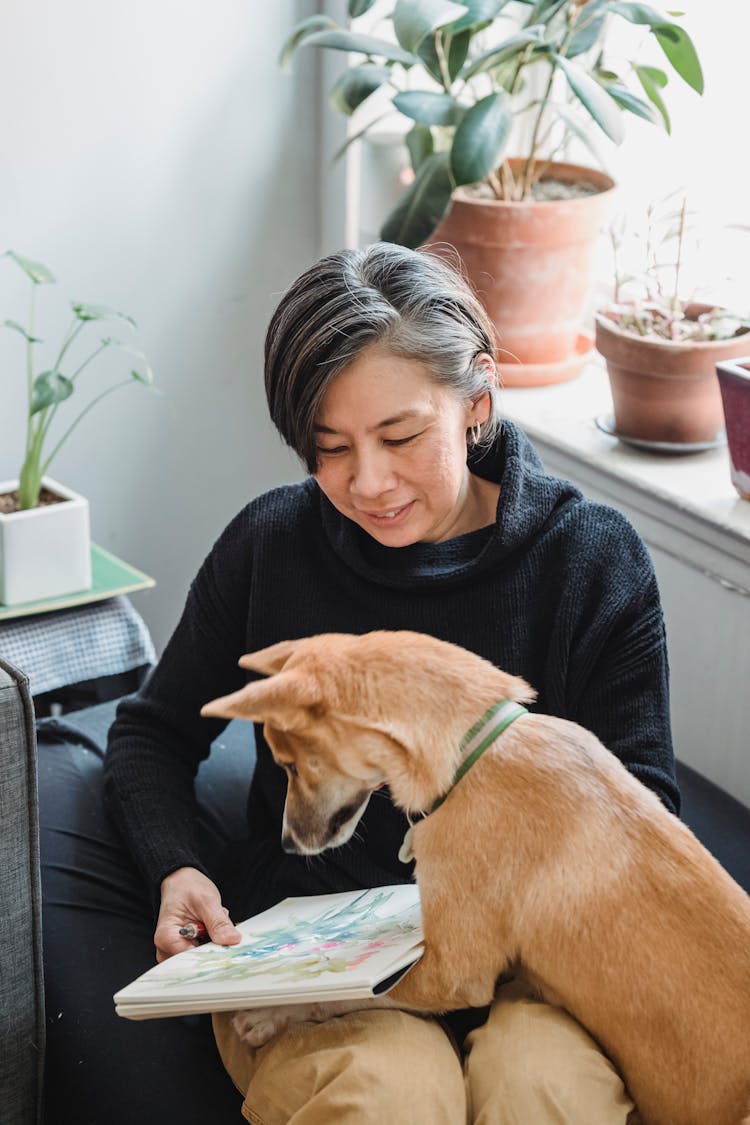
(474, 743)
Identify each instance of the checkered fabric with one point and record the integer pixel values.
(70, 645)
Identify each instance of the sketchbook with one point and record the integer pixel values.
(347, 946)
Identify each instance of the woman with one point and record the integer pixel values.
(380, 372)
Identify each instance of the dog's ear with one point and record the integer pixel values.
(287, 701)
(269, 660)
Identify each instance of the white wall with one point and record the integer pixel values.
(153, 155)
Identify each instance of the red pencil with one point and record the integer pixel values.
(195, 930)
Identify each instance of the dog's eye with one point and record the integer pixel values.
(289, 767)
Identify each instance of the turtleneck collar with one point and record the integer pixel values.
(528, 498)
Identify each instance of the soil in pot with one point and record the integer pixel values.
(9, 501)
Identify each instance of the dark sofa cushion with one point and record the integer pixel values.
(222, 782)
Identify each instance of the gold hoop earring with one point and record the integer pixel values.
(476, 433)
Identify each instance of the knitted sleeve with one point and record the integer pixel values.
(618, 676)
(158, 738)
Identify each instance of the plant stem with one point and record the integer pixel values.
(104, 344)
(678, 259)
(73, 377)
(30, 367)
(508, 181)
(30, 479)
(495, 183)
(528, 171)
(443, 62)
(84, 412)
(529, 174)
(70, 336)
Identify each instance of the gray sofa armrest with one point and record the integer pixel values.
(21, 987)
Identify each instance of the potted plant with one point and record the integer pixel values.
(44, 526)
(661, 348)
(734, 384)
(469, 78)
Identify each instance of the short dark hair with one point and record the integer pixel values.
(412, 303)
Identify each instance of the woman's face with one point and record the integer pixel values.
(391, 448)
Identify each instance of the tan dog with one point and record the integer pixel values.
(547, 858)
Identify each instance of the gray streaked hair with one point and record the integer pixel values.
(411, 303)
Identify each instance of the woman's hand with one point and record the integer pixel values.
(187, 895)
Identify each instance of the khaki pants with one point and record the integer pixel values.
(529, 1064)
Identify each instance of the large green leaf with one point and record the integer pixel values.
(545, 10)
(458, 49)
(478, 12)
(653, 80)
(509, 48)
(356, 84)
(587, 28)
(673, 39)
(422, 205)
(361, 44)
(414, 20)
(595, 100)
(38, 273)
(420, 144)
(633, 103)
(359, 7)
(20, 328)
(299, 33)
(429, 108)
(637, 12)
(99, 312)
(574, 127)
(480, 138)
(678, 47)
(49, 388)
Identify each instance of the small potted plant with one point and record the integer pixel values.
(661, 347)
(44, 526)
(471, 78)
(734, 384)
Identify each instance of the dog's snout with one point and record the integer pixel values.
(288, 844)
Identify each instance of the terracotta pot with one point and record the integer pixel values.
(665, 390)
(734, 384)
(530, 264)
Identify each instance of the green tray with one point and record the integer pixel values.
(110, 577)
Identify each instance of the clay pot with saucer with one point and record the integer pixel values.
(530, 262)
(666, 391)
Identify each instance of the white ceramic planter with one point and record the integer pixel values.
(45, 552)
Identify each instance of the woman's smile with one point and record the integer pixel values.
(391, 515)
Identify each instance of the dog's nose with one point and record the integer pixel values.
(288, 844)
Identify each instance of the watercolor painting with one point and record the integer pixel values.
(340, 938)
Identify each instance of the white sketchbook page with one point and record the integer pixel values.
(316, 947)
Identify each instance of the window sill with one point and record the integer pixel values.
(684, 504)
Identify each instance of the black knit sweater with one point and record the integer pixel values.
(559, 590)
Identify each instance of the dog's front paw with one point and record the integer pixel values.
(255, 1026)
